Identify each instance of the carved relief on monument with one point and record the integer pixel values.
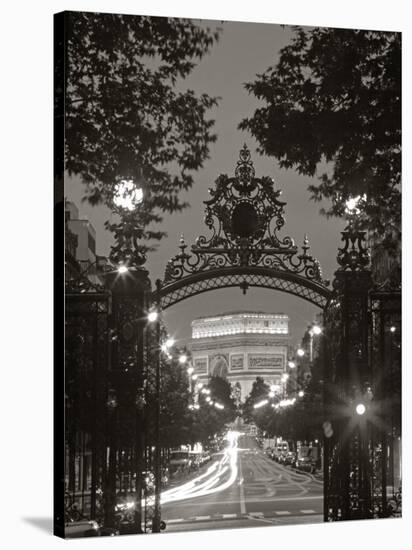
(200, 365)
(236, 361)
(265, 361)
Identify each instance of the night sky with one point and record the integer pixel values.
(244, 50)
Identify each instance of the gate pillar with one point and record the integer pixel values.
(348, 386)
(125, 442)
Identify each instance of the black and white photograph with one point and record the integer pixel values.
(229, 200)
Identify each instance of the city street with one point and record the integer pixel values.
(217, 362)
(242, 487)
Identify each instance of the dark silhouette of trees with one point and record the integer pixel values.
(211, 421)
(334, 97)
(125, 114)
(260, 416)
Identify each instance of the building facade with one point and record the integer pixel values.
(80, 247)
(240, 346)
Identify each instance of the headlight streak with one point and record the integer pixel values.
(213, 483)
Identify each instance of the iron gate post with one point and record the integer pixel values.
(157, 457)
(348, 388)
(130, 295)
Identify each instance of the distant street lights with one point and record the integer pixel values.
(316, 330)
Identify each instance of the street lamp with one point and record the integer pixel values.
(152, 316)
(316, 330)
(300, 352)
(291, 364)
(183, 359)
(352, 204)
(360, 409)
(122, 269)
(127, 194)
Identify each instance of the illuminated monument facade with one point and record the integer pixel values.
(240, 346)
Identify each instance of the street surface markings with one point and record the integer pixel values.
(251, 515)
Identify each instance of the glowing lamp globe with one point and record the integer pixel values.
(169, 342)
(127, 195)
(152, 317)
(360, 409)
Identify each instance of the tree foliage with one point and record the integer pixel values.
(124, 113)
(176, 420)
(259, 391)
(335, 96)
(210, 420)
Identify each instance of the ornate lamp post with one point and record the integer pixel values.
(347, 431)
(130, 289)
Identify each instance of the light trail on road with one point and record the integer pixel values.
(218, 477)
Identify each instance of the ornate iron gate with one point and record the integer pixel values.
(113, 368)
(86, 376)
(245, 249)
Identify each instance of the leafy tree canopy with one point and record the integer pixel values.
(210, 420)
(175, 417)
(335, 97)
(124, 115)
(259, 391)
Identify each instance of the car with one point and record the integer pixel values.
(307, 459)
(289, 458)
(280, 450)
(269, 452)
(87, 528)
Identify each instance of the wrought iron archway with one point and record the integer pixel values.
(245, 249)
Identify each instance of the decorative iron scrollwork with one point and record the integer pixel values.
(127, 249)
(244, 216)
(354, 255)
